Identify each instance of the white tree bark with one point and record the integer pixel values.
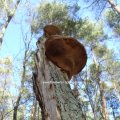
(114, 6)
(10, 15)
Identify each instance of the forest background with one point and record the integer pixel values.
(95, 23)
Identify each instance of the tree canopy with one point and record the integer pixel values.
(98, 85)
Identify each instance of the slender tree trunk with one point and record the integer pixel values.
(16, 107)
(9, 17)
(34, 110)
(39, 117)
(113, 114)
(103, 100)
(53, 92)
(23, 78)
(114, 6)
(22, 85)
(92, 106)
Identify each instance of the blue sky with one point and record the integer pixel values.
(13, 40)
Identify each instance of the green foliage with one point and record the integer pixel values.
(5, 65)
(93, 35)
(71, 24)
(1, 4)
(106, 68)
(93, 72)
(113, 20)
(59, 14)
(101, 51)
(53, 12)
(5, 85)
(91, 31)
(5, 5)
(49, 13)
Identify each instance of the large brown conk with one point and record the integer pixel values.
(65, 52)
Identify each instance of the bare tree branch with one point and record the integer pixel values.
(10, 15)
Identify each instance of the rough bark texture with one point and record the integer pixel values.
(55, 97)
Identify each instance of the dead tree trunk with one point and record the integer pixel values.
(52, 90)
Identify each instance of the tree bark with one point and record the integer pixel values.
(9, 17)
(103, 101)
(16, 107)
(114, 6)
(22, 85)
(93, 106)
(52, 90)
(102, 98)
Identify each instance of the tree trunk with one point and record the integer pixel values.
(16, 107)
(113, 114)
(34, 110)
(38, 113)
(103, 101)
(22, 85)
(102, 98)
(114, 6)
(52, 90)
(9, 17)
(93, 106)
